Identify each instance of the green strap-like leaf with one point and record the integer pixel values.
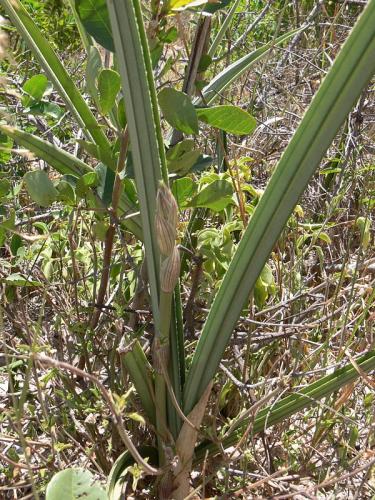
(143, 123)
(349, 74)
(65, 163)
(290, 405)
(221, 81)
(54, 69)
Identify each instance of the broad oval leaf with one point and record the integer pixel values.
(215, 196)
(74, 484)
(232, 119)
(183, 189)
(182, 157)
(35, 88)
(5, 187)
(109, 83)
(95, 18)
(178, 110)
(40, 187)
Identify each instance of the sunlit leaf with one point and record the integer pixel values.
(229, 118)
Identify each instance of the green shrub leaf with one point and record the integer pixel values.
(74, 484)
(229, 118)
(94, 17)
(215, 196)
(35, 88)
(109, 83)
(178, 110)
(40, 187)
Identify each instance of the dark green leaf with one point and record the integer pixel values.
(94, 17)
(15, 243)
(178, 110)
(212, 7)
(4, 187)
(121, 116)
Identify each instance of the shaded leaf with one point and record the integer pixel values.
(182, 157)
(215, 196)
(95, 18)
(178, 110)
(40, 187)
(182, 190)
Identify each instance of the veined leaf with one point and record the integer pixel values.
(178, 110)
(351, 71)
(109, 83)
(94, 17)
(232, 119)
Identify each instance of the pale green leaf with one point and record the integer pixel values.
(40, 187)
(109, 83)
(232, 119)
(74, 484)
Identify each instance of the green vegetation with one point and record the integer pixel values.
(186, 249)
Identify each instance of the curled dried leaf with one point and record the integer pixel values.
(170, 271)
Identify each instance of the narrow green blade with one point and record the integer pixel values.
(290, 405)
(54, 69)
(134, 63)
(60, 160)
(349, 74)
(221, 81)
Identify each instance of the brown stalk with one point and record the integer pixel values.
(108, 245)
